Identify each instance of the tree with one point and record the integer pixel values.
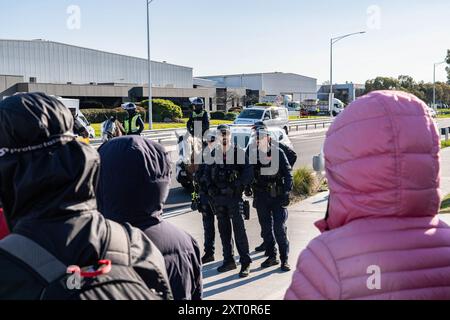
(228, 99)
(406, 83)
(382, 83)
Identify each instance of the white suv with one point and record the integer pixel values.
(271, 116)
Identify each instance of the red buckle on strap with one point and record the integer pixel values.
(105, 268)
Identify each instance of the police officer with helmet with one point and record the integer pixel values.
(291, 156)
(199, 116)
(203, 203)
(271, 189)
(225, 180)
(133, 124)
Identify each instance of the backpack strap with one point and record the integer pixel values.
(34, 256)
(118, 250)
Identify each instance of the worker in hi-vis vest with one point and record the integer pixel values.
(200, 116)
(133, 123)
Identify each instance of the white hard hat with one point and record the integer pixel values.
(129, 106)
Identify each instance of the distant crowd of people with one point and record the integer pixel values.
(78, 223)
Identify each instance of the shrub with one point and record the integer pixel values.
(304, 181)
(164, 109)
(264, 104)
(218, 115)
(92, 105)
(445, 144)
(231, 116)
(101, 115)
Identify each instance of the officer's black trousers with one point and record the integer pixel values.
(210, 232)
(272, 218)
(228, 222)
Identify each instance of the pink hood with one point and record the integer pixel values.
(382, 162)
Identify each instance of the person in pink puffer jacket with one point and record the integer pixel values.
(381, 238)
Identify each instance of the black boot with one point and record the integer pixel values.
(270, 262)
(245, 271)
(227, 266)
(261, 248)
(208, 257)
(285, 267)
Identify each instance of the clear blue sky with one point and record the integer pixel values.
(242, 36)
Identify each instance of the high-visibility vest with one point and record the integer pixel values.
(196, 115)
(133, 127)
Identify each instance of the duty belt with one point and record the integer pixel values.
(271, 188)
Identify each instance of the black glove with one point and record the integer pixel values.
(285, 200)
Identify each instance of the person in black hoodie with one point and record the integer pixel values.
(47, 186)
(135, 176)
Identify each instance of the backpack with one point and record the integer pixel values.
(291, 155)
(115, 279)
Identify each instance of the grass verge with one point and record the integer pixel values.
(161, 126)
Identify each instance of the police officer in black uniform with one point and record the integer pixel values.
(199, 116)
(226, 179)
(271, 188)
(291, 156)
(204, 203)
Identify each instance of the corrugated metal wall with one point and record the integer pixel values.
(52, 62)
(300, 87)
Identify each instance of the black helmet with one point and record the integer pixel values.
(224, 129)
(197, 102)
(259, 125)
(211, 137)
(261, 130)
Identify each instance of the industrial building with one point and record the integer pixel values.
(346, 92)
(91, 75)
(269, 85)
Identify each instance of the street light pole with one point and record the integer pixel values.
(332, 42)
(331, 97)
(434, 83)
(150, 104)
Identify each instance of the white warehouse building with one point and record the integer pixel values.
(270, 85)
(58, 63)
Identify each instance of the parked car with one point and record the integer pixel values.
(271, 116)
(316, 107)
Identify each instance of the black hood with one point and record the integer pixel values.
(135, 178)
(44, 173)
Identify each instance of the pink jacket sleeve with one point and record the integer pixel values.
(316, 276)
